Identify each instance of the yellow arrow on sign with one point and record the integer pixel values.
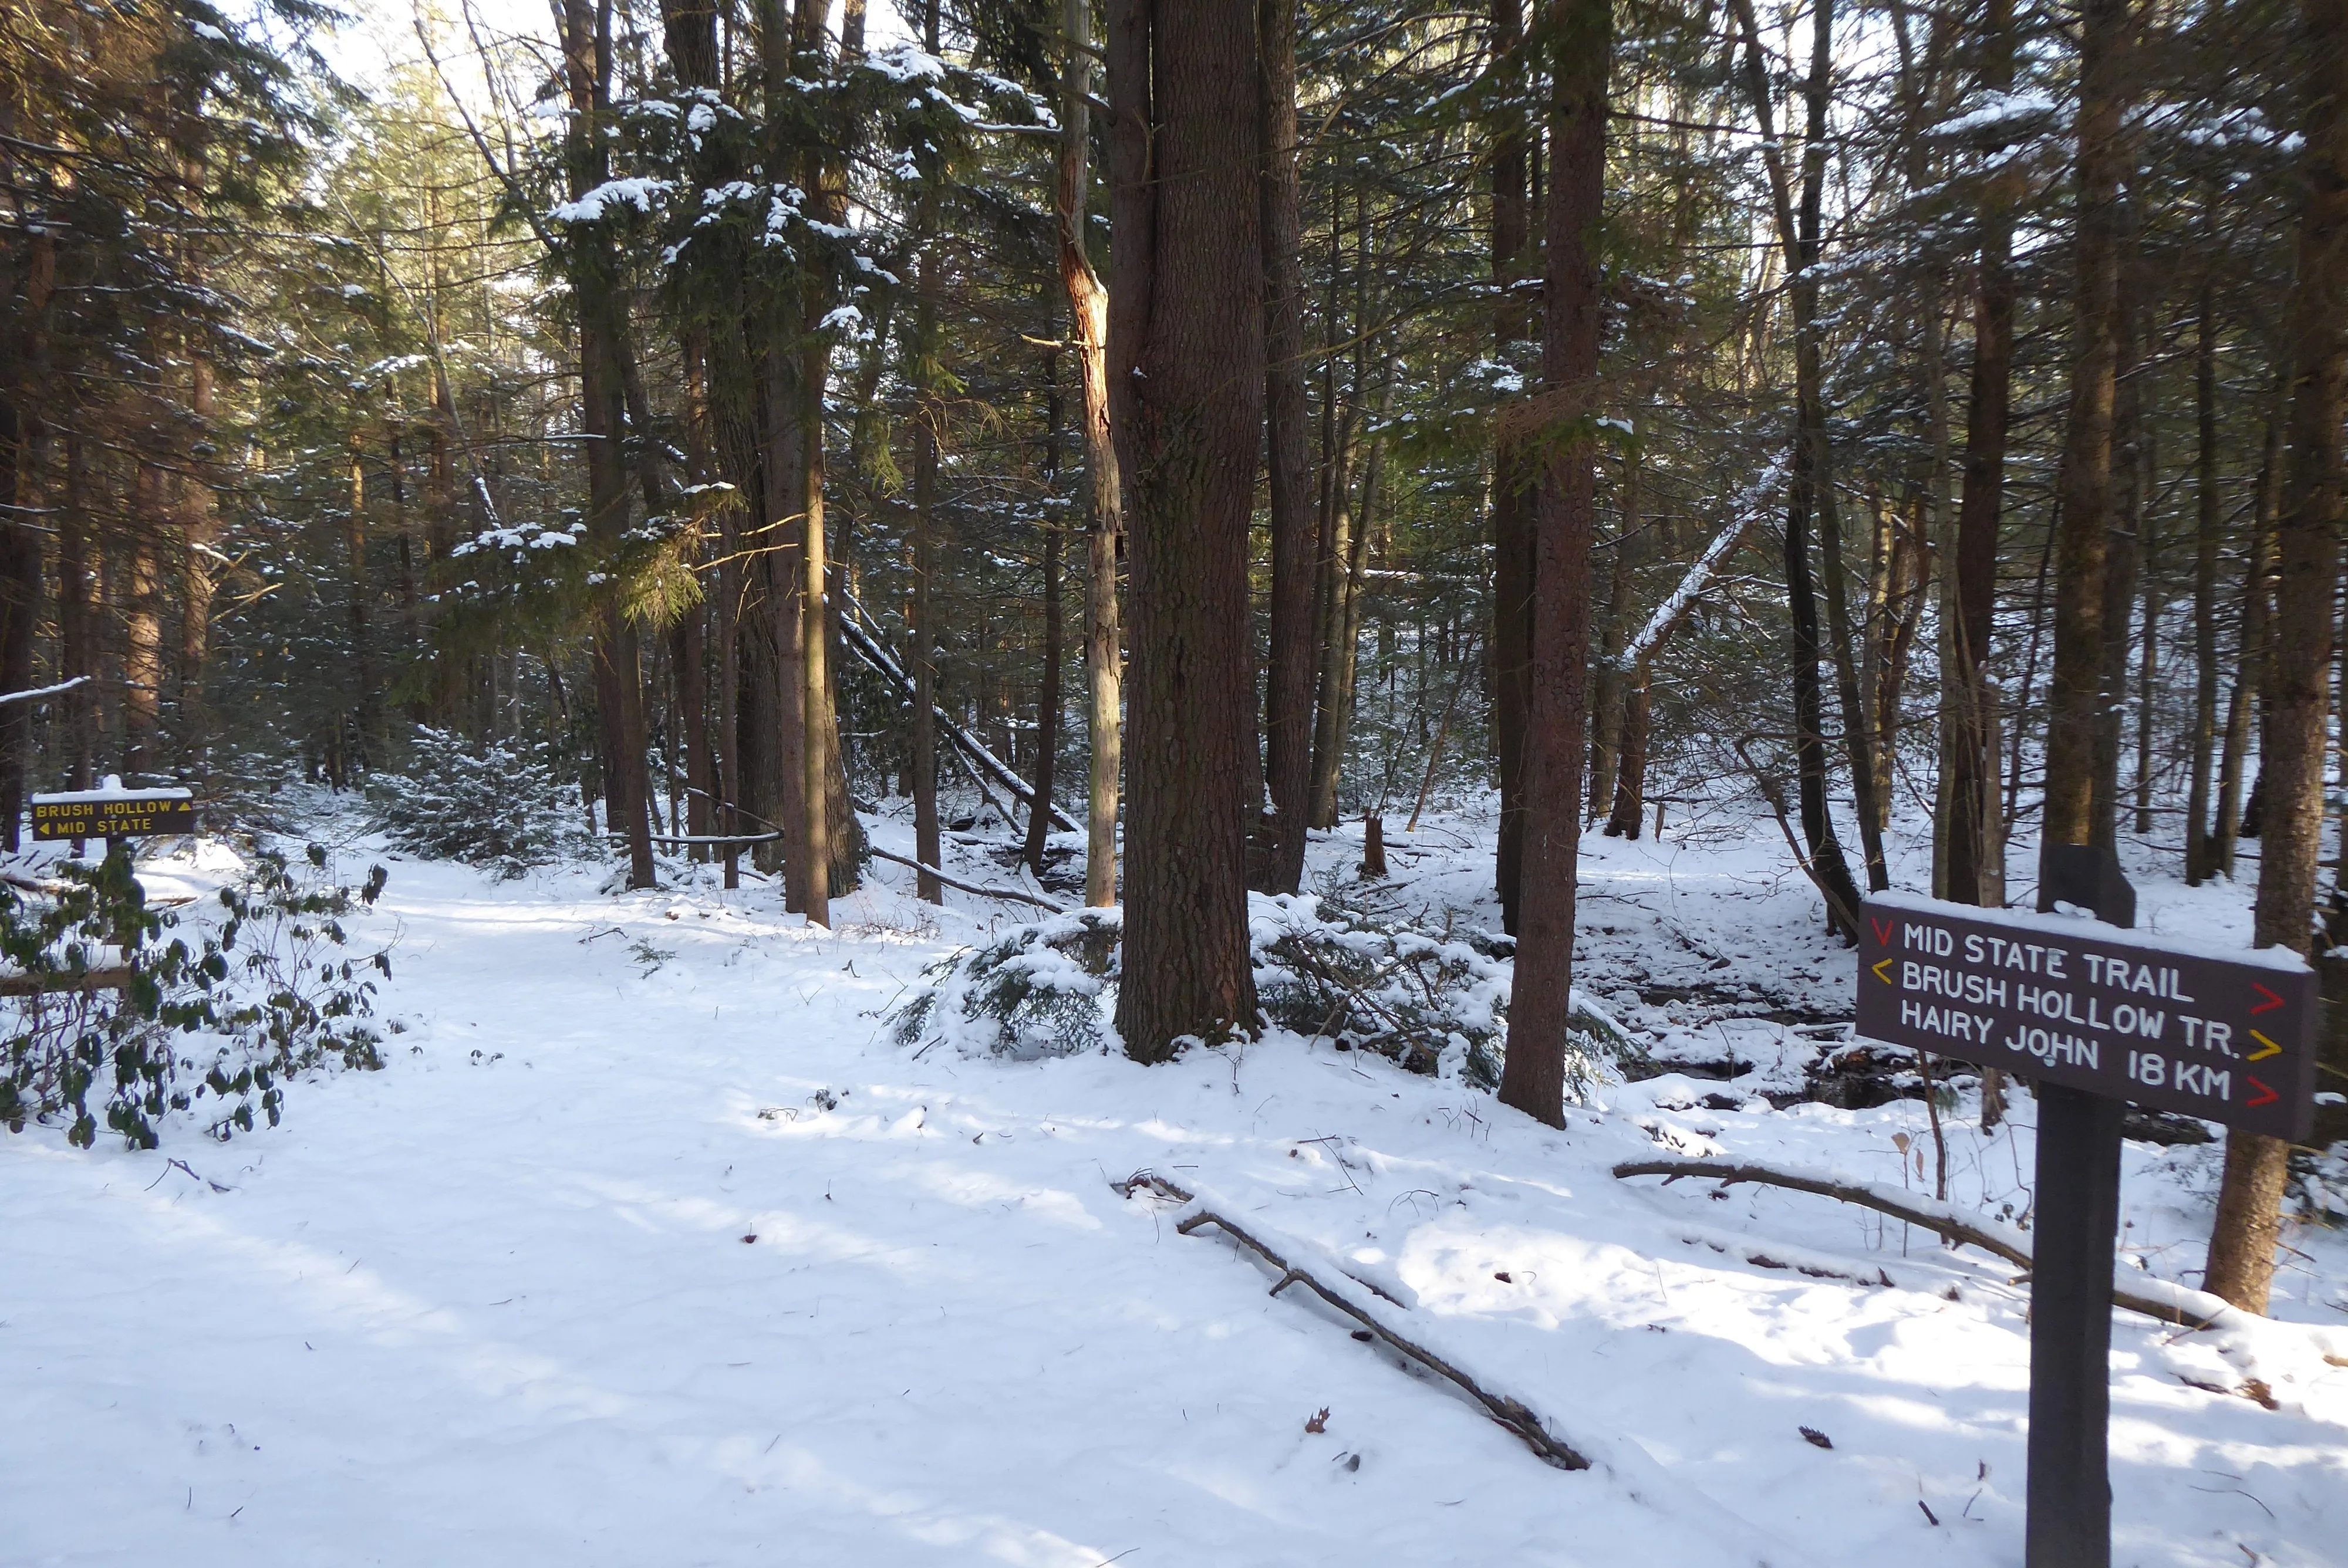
(1887, 979)
(2271, 1048)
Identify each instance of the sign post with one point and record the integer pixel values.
(2098, 1017)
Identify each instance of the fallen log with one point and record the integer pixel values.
(113, 979)
(1015, 895)
(867, 646)
(1513, 1414)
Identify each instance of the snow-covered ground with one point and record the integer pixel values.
(650, 1245)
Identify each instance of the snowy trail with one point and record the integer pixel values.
(500, 1309)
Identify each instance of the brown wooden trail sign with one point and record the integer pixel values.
(113, 812)
(2225, 1035)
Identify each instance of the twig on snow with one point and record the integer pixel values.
(2157, 1299)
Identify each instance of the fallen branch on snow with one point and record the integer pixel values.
(1511, 1413)
(2153, 1298)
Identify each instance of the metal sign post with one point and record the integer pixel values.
(2098, 1017)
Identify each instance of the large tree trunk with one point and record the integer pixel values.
(2083, 484)
(1288, 684)
(1186, 385)
(2292, 739)
(1512, 480)
(1105, 508)
(1540, 1002)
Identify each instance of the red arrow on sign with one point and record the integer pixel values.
(1883, 936)
(2265, 1096)
(2273, 1001)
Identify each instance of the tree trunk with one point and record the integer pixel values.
(2251, 638)
(2208, 538)
(2292, 739)
(1629, 804)
(1104, 511)
(1533, 1076)
(1047, 683)
(2084, 482)
(199, 527)
(1513, 477)
(20, 607)
(1798, 239)
(922, 653)
(76, 648)
(1288, 683)
(1333, 614)
(142, 627)
(592, 268)
(2123, 541)
(1186, 385)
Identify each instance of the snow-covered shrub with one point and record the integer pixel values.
(1431, 1001)
(1434, 1001)
(1041, 990)
(498, 807)
(103, 1005)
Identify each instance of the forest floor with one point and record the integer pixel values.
(651, 1247)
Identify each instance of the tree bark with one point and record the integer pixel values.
(2292, 738)
(2123, 557)
(1532, 1078)
(142, 626)
(921, 653)
(592, 268)
(1105, 508)
(1186, 387)
(1288, 685)
(2208, 538)
(2251, 651)
(1047, 683)
(1975, 868)
(1513, 477)
(2084, 483)
(1798, 239)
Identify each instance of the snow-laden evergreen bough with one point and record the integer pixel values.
(1433, 1001)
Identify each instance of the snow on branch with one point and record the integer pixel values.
(2154, 1297)
(37, 693)
(1668, 614)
